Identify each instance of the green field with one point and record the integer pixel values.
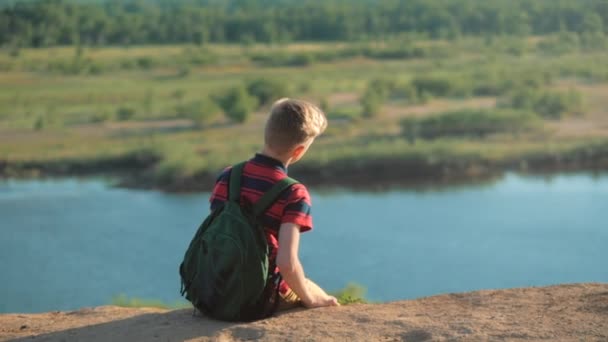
(434, 109)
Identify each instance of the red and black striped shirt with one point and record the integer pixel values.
(259, 175)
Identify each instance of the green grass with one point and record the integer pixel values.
(78, 119)
(351, 294)
(133, 302)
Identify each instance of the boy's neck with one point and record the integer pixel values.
(283, 159)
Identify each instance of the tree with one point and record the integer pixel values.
(592, 23)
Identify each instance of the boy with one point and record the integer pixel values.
(290, 130)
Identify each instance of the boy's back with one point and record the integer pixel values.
(259, 175)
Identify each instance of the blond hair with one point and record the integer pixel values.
(293, 122)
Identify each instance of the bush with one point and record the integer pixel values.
(375, 94)
(125, 113)
(403, 52)
(267, 90)
(381, 86)
(559, 44)
(145, 63)
(324, 104)
(201, 112)
(440, 86)
(301, 59)
(237, 104)
(502, 83)
(405, 91)
(548, 104)
(200, 56)
(39, 124)
(468, 123)
(101, 116)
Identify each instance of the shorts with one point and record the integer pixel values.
(288, 300)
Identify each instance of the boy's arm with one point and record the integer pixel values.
(292, 271)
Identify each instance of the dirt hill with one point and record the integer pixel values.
(577, 312)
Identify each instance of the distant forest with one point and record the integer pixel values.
(56, 22)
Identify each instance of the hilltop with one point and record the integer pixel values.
(573, 312)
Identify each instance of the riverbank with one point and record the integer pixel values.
(404, 168)
(556, 313)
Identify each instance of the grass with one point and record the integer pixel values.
(351, 294)
(132, 302)
(71, 120)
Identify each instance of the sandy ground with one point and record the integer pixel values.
(577, 312)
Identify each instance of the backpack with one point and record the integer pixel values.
(225, 272)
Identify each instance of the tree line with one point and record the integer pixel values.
(97, 23)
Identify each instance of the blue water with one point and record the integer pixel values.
(65, 244)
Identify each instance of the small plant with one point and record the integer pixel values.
(351, 294)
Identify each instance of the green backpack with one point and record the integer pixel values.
(225, 272)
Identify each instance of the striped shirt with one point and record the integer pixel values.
(259, 175)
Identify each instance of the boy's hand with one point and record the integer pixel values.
(323, 301)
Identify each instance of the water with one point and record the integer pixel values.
(65, 244)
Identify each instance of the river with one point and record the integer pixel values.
(70, 243)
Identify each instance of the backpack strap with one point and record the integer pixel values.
(234, 189)
(234, 185)
(272, 195)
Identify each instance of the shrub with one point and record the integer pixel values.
(39, 124)
(379, 90)
(95, 69)
(200, 56)
(145, 63)
(405, 91)
(503, 83)
(440, 86)
(468, 123)
(375, 94)
(301, 59)
(101, 116)
(267, 90)
(403, 52)
(548, 104)
(201, 112)
(183, 71)
(237, 104)
(324, 104)
(125, 113)
(381, 86)
(559, 44)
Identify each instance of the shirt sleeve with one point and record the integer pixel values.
(220, 190)
(298, 208)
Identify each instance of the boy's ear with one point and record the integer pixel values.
(297, 152)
